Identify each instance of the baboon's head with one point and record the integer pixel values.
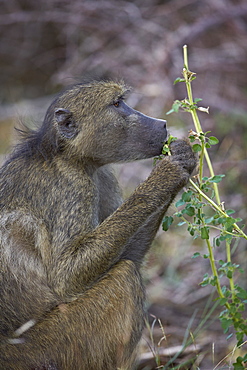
(93, 121)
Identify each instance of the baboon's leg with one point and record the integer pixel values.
(98, 330)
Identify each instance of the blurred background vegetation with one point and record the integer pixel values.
(49, 44)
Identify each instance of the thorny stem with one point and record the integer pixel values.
(187, 76)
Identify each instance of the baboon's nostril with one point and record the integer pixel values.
(162, 121)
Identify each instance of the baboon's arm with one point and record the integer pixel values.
(102, 248)
(141, 241)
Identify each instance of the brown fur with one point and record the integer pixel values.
(71, 290)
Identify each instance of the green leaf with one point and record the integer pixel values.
(240, 337)
(229, 274)
(205, 281)
(208, 220)
(191, 230)
(225, 323)
(179, 203)
(167, 221)
(178, 80)
(238, 219)
(224, 290)
(217, 242)
(186, 196)
(169, 112)
(197, 254)
(242, 293)
(192, 138)
(197, 148)
(190, 211)
(213, 140)
(197, 100)
(238, 366)
(229, 222)
(175, 107)
(244, 359)
(171, 139)
(216, 178)
(205, 232)
(181, 223)
(222, 301)
(213, 281)
(165, 150)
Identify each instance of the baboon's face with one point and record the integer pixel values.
(110, 132)
(129, 134)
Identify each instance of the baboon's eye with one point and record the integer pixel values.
(116, 104)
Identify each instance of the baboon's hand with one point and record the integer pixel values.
(183, 154)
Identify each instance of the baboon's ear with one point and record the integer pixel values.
(67, 126)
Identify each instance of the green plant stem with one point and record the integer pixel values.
(216, 207)
(228, 256)
(196, 121)
(213, 268)
(219, 229)
(211, 227)
(192, 108)
(229, 354)
(187, 76)
(201, 160)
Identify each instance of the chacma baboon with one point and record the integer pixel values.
(71, 250)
